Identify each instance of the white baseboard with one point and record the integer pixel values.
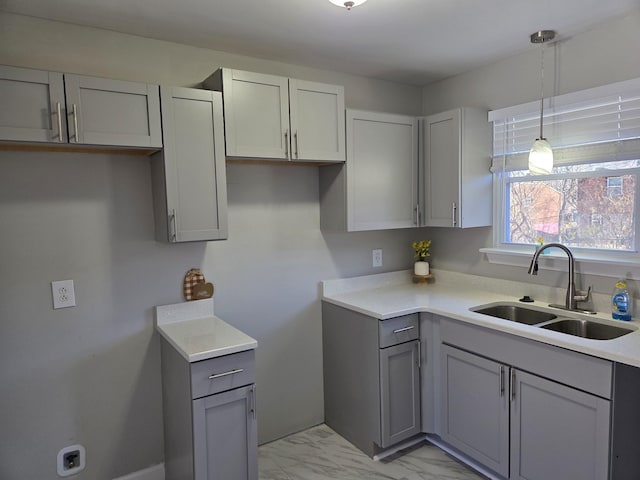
(152, 473)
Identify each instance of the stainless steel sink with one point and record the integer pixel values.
(516, 313)
(586, 329)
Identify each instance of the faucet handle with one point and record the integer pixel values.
(582, 296)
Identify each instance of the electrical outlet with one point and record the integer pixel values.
(71, 460)
(63, 294)
(377, 257)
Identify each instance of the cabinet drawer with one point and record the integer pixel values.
(222, 373)
(398, 330)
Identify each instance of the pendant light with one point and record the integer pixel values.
(348, 4)
(541, 154)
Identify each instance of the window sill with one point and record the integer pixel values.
(586, 263)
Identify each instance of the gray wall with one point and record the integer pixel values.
(91, 374)
(603, 55)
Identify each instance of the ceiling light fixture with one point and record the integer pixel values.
(348, 4)
(541, 154)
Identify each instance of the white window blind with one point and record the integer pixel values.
(596, 125)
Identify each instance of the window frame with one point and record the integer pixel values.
(600, 262)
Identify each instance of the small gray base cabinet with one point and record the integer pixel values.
(371, 377)
(526, 410)
(52, 107)
(210, 424)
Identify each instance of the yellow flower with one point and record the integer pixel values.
(422, 249)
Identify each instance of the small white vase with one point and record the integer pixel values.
(421, 268)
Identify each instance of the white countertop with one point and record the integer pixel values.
(197, 334)
(452, 294)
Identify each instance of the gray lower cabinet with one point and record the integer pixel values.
(57, 108)
(371, 377)
(210, 427)
(189, 175)
(521, 425)
(557, 431)
(400, 392)
(475, 408)
(225, 435)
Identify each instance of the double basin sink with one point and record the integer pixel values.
(550, 321)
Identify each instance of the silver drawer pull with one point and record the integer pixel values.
(399, 330)
(230, 372)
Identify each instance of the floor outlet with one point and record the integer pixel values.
(71, 460)
(377, 257)
(63, 294)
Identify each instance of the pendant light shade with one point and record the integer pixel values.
(348, 4)
(541, 154)
(541, 157)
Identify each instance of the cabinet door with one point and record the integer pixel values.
(382, 163)
(33, 107)
(194, 166)
(317, 121)
(101, 111)
(256, 114)
(475, 410)
(557, 431)
(399, 392)
(442, 169)
(225, 436)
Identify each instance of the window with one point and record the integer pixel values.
(590, 200)
(614, 186)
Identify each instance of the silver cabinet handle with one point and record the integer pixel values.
(419, 354)
(513, 384)
(173, 226)
(418, 214)
(399, 330)
(74, 110)
(286, 144)
(225, 374)
(501, 381)
(454, 212)
(59, 115)
(295, 141)
(252, 402)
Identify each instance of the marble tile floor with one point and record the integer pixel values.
(321, 454)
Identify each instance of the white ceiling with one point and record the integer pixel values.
(409, 41)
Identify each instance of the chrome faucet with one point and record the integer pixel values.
(572, 299)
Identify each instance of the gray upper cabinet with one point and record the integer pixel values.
(33, 106)
(101, 111)
(277, 118)
(51, 107)
(377, 188)
(457, 183)
(189, 177)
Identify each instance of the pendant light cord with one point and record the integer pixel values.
(541, 87)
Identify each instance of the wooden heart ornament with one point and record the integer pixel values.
(202, 291)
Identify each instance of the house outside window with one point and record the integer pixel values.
(614, 186)
(590, 200)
